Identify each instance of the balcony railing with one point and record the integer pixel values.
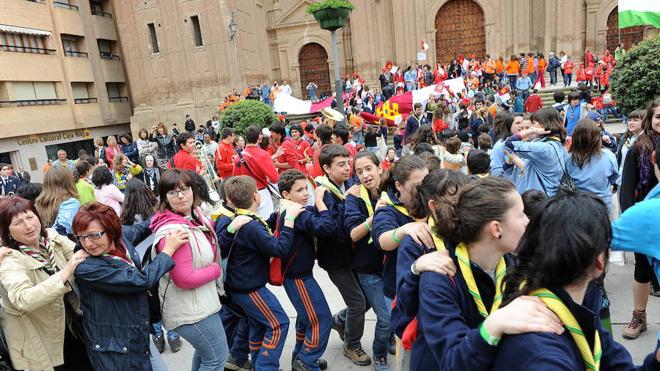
(72, 53)
(26, 49)
(31, 102)
(118, 99)
(101, 13)
(64, 5)
(85, 100)
(37, 1)
(109, 55)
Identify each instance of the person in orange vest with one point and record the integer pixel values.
(512, 71)
(531, 69)
(542, 64)
(489, 68)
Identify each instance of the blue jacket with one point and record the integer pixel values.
(113, 299)
(307, 226)
(336, 252)
(597, 176)
(9, 185)
(367, 259)
(249, 262)
(449, 322)
(386, 219)
(131, 151)
(548, 351)
(637, 229)
(412, 124)
(546, 160)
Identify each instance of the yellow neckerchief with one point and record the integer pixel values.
(252, 214)
(364, 196)
(466, 273)
(590, 357)
(284, 204)
(400, 208)
(437, 241)
(325, 182)
(222, 210)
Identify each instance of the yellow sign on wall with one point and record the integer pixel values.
(53, 137)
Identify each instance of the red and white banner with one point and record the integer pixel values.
(291, 105)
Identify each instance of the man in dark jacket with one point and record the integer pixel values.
(553, 65)
(415, 120)
(190, 124)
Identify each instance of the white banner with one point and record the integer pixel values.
(291, 105)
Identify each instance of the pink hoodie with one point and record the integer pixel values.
(184, 275)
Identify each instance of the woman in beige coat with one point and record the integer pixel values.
(34, 278)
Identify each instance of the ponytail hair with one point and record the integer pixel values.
(401, 170)
(440, 185)
(560, 244)
(477, 204)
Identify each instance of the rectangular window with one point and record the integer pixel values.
(154, 38)
(79, 90)
(197, 32)
(70, 44)
(28, 90)
(113, 89)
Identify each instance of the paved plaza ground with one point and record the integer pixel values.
(618, 285)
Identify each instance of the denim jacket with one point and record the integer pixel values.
(113, 296)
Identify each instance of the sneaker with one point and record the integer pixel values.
(159, 342)
(323, 364)
(175, 344)
(655, 293)
(233, 365)
(636, 326)
(391, 347)
(380, 363)
(357, 355)
(338, 326)
(299, 366)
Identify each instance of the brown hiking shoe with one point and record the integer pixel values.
(636, 326)
(357, 355)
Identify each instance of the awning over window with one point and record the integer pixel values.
(23, 30)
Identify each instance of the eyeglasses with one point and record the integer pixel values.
(92, 236)
(177, 191)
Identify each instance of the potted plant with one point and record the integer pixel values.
(331, 14)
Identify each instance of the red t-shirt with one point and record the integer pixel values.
(224, 159)
(533, 103)
(261, 166)
(186, 161)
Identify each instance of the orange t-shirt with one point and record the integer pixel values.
(530, 65)
(499, 66)
(542, 64)
(513, 67)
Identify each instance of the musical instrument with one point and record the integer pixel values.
(332, 116)
(211, 177)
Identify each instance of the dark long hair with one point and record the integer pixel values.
(646, 140)
(551, 121)
(139, 200)
(424, 134)
(401, 170)
(440, 185)
(477, 204)
(502, 124)
(560, 243)
(586, 142)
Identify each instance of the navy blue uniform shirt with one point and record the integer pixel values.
(368, 259)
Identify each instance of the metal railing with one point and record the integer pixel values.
(118, 99)
(64, 5)
(109, 55)
(31, 102)
(26, 49)
(85, 100)
(37, 1)
(72, 53)
(101, 13)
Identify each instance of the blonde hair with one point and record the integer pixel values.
(112, 137)
(116, 162)
(58, 187)
(99, 141)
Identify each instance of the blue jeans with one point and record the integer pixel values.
(567, 79)
(373, 287)
(553, 77)
(208, 339)
(512, 81)
(358, 137)
(157, 363)
(373, 150)
(158, 331)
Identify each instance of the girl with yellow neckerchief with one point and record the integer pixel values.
(564, 249)
(440, 185)
(460, 322)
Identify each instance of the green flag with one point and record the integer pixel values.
(639, 12)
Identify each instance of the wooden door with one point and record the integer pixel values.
(459, 29)
(629, 35)
(313, 60)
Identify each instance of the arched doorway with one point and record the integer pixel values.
(629, 35)
(313, 61)
(459, 29)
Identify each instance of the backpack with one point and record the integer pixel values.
(276, 271)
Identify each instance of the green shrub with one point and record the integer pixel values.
(635, 80)
(247, 112)
(325, 4)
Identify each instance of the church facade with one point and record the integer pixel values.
(183, 57)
